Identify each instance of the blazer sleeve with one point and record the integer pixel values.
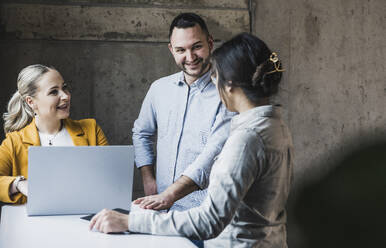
(6, 178)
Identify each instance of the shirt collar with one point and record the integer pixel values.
(256, 113)
(200, 83)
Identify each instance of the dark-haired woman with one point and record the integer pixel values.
(250, 180)
(38, 115)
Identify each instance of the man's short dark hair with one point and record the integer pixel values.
(188, 20)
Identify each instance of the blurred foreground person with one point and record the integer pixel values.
(346, 208)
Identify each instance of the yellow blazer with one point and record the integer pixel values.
(14, 151)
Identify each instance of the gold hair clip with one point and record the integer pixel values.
(276, 63)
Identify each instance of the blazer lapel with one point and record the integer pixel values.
(30, 134)
(76, 132)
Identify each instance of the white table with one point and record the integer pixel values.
(17, 230)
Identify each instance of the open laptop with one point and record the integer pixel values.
(79, 179)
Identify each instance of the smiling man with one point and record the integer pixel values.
(185, 113)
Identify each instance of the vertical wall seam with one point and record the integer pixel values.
(289, 60)
(251, 10)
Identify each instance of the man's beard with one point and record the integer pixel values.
(204, 65)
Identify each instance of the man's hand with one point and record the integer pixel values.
(108, 221)
(149, 182)
(180, 188)
(156, 202)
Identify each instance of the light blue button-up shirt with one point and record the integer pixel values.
(191, 125)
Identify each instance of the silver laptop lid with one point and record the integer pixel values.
(79, 179)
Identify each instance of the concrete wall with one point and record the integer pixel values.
(109, 51)
(334, 89)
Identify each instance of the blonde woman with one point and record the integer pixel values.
(38, 115)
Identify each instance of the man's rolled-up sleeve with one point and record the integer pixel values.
(144, 131)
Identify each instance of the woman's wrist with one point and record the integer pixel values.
(14, 189)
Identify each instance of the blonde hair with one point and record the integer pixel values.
(19, 113)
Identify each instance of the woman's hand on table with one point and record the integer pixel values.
(108, 221)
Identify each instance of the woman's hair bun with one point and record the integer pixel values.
(267, 76)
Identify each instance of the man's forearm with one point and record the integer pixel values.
(180, 188)
(148, 179)
(147, 172)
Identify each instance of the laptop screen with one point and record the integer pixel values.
(79, 179)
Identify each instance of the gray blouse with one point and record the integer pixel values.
(247, 193)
